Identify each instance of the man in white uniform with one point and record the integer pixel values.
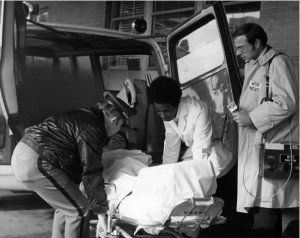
(276, 117)
(186, 120)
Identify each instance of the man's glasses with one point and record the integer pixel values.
(241, 48)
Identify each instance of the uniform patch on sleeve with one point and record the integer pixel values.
(255, 86)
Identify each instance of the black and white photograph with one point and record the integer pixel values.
(149, 119)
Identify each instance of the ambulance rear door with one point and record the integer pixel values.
(202, 60)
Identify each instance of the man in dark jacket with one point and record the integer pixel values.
(53, 157)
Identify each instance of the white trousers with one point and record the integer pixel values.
(57, 189)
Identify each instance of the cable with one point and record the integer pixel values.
(279, 190)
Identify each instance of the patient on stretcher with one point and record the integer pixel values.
(148, 193)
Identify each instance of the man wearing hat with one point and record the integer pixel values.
(54, 156)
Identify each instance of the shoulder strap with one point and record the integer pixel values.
(268, 98)
(267, 69)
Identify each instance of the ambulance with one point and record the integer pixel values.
(47, 68)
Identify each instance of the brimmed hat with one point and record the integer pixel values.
(121, 101)
(119, 104)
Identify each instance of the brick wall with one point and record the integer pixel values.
(89, 13)
(280, 19)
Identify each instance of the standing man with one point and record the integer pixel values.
(267, 110)
(53, 157)
(186, 120)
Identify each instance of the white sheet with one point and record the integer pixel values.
(155, 190)
(121, 168)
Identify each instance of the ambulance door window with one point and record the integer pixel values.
(199, 52)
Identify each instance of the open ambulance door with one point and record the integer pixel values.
(12, 63)
(202, 60)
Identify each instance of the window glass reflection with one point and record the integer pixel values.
(199, 52)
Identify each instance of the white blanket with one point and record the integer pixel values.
(155, 190)
(121, 168)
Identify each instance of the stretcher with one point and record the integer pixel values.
(185, 218)
(176, 199)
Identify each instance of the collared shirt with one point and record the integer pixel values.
(257, 60)
(193, 128)
(262, 53)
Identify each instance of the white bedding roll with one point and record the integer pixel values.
(157, 190)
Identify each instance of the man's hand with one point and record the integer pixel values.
(242, 118)
(101, 230)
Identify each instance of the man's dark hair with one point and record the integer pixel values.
(165, 90)
(252, 31)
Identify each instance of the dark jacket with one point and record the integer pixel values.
(73, 142)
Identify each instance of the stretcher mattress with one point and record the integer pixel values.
(155, 190)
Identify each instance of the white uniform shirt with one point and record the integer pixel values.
(193, 128)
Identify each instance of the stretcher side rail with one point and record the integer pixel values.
(187, 215)
(195, 212)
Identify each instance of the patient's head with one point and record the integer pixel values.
(165, 94)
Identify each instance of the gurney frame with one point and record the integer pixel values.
(186, 217)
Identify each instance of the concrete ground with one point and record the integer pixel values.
(24, 215)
